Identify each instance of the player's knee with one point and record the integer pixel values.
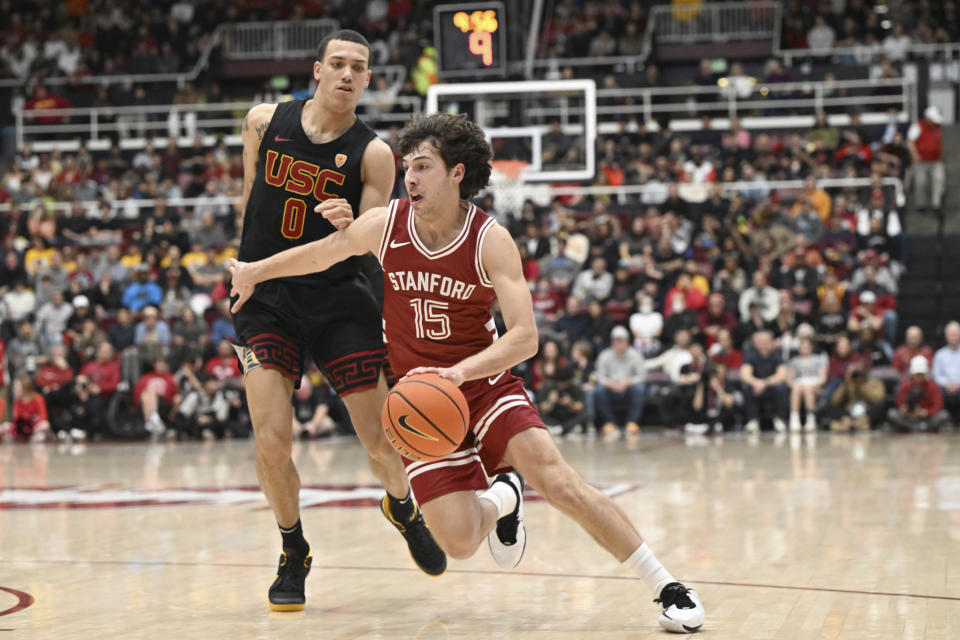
(458, 544)
(381, 455)
(560, 485)
(272, 446)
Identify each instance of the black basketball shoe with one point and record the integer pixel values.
(287, 593)
(423, 548)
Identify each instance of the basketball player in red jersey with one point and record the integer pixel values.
(299, 155)
(444, 262)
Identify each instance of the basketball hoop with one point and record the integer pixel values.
(506, 183)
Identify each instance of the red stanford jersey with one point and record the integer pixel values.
(436, 307)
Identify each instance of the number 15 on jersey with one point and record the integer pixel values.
(430, 319)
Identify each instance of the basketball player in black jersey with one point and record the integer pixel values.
(295, 155)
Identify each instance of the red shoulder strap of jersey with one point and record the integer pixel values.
(393, 208)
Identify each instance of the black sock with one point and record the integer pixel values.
(294, 543)
(402, 510)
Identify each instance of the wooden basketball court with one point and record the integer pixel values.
(852, 536)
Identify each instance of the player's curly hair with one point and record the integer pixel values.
(457, 139)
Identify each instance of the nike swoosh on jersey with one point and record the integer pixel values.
(395, 245)
(279, 139)
(493, 381)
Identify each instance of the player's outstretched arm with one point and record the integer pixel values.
(357, 239)
(501, 261)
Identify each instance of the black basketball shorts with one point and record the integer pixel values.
(339, 324)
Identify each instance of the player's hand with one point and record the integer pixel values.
(337, 212)
(242, 283)
(452, 374)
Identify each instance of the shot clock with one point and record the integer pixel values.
(470, 39)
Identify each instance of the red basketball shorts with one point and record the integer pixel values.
(498, 411)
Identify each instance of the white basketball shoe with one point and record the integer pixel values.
(680, 609)
(508, 539)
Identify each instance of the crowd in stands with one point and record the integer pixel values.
(742, 308)
(599, 29)
(751, 308)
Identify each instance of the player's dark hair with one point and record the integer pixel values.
(348, 35)
(458, 140)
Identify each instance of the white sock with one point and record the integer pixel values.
(503, 497)
(649, 569)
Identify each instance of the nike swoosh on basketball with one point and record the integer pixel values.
(403, 423)
(395, 245)
(493, 381)
(279, 139)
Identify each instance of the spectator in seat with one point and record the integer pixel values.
(585, 378)
(646, 325)
(865, 314)
(873, 348)
(681, 319)
(857, 402)
(311, 410)
(24, 350)
(30, 420)
(595, 282)
(874, 275)
(142, 292)
(20, 302)
(104, 372)
(946, 369)
(715, 317)
(52, 319)
(807, 375)
(724, 352)
(716, 400)
(176, 296)
(600, 324)
(105, 296)
(224, 366)
(88, 340)
(55, 380)
(766, 298)
(156, 395)
(85, 414)
(730, 279)
(208, 275)
(621, 373)
(222, 328)
(913, 346)
(822, 35)
(574, 323)
(786, 325)
(764, 378)
(919, 402)
(204, 412)
(561, 402)
(547, 303)
(81, 312)
(830, 323)
(686, 375)
(152, 335)
(684, 289)
(620, 302)
(545, 365)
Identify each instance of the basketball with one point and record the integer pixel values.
(425, 417)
